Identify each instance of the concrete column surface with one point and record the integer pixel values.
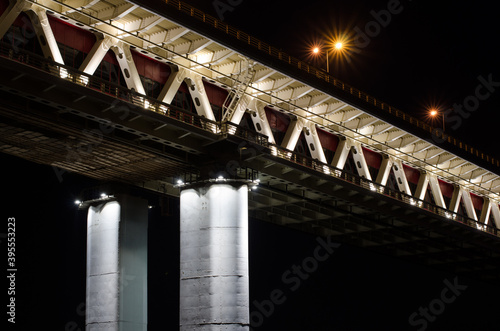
(214, 286)
(117, 265)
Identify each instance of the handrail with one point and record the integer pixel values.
(224, 129)
(321, 74)
(111, 89)
(324, 168)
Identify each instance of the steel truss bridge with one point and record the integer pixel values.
(326, 158)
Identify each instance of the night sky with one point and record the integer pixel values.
(427, 53)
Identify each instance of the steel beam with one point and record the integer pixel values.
(423, 183)
(313, 142)
(96, 54)
(436, 191)
(259, 119)
(128, 68)
(292, 134)
(401, 180)
(196, 90)
(384, 171)
(41, 25)
(342, 152)
(360, 161)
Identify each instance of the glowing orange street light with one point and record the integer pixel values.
(434, 113)
(337, 46)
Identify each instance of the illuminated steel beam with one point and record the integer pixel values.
(360, 161)
(313, 142)
(96, 54)
(401, 180)
(45, 35)
(128, 68)
(384, 170)
(436, 191)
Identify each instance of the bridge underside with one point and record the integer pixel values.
(51, 121)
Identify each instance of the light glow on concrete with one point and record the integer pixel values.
(214, 287)
(117, 266)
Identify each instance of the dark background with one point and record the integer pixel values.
(428, 53)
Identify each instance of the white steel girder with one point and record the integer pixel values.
(342, 152)
(38, 17)
(401, 180)
(166, 36)
(96, 54)
(128, 68)
(376, 128)
(423, 183)
(436, 191)
(259, 119)
(114, 13)
(469, 206)
(384, 170)
(455, 198)
(240, 110)
(81, 4)
(495, 212)
(292, 134)
(145, 28)
(313, 142)
(360, 161)
(485, 212)
(196, 89)
(361, 122)
(271, 85)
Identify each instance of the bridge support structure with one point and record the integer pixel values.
(214, 278)
(117, 264)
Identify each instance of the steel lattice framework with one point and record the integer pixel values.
(195, 56)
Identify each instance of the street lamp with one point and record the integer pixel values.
(338, 46)
(433, 112)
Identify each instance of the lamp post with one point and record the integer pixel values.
(434, 113)
(337, 46)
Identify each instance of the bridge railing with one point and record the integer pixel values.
(117, 91)
(228, 128)
(329, 170)
(321, 74)
(126, 95)
(326, 169)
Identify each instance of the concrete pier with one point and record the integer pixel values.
(214, 283)
(117, 265)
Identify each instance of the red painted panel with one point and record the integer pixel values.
(110, 57)
(373, 159)
(328, 140)
(150, 68)
(216, 95)
(412, 175)
(277, 120)
(446, 188)
(477, 202)
(72, 36)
